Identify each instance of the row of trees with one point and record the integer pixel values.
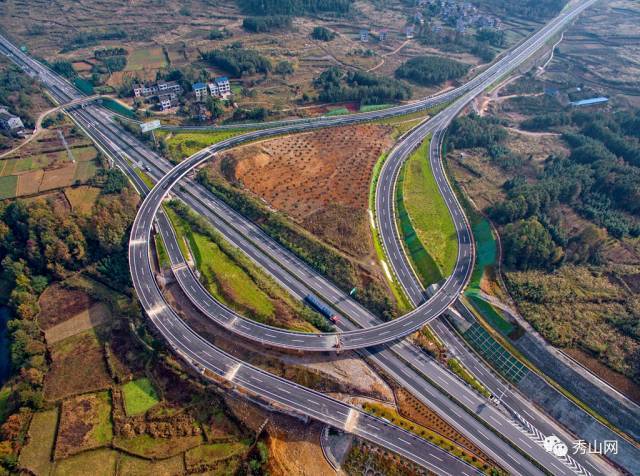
(336, 85)
(266, 23)
(238, 61)
(431, 70)
(323, 34)
(295, 7)
(108, 52)
(88, 38)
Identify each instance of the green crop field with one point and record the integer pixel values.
(8, 186)
(428, 211)
(139, 396)
(146, 58)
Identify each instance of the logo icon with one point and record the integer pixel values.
(553, 444)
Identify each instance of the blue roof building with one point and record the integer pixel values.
(200, 89)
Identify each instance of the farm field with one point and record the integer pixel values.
(77, 366)
(44, 164)
(103, 462)
(35, 456)
(601, 51)
(85, 423)
(134, 466)
(174, 36)
(147, 446)
(82, 198)
(152, 58)
(139, 396)
(428, 212)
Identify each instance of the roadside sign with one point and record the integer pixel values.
(149, 126)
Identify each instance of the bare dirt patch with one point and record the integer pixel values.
(57, 304)
(97, 314)
(294, 448)
(320, 179)
(623, 384)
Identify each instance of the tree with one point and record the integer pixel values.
(114, 181)
(431, 70)
(215, 107)
(284, 68)
(528, 245)
(323, 34)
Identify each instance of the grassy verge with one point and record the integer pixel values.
(235, 280)
(424, 264)
(181, 145)
(226, 281)
(84, 85)
(437, 439)
(483, 243)
(428, 211)
(457, 368)
(163, 256)
(145, 178)
(374, 107)
(490, 313)
(337, 112)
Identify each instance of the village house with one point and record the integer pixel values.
(220, 87)
(10, 122)
(166, 93)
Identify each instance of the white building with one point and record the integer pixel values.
(220, 87)
(10, 122)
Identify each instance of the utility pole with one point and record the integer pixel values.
(66, 146)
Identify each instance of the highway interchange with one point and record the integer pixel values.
(196, 350)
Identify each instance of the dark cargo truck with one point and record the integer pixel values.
(326, 311)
